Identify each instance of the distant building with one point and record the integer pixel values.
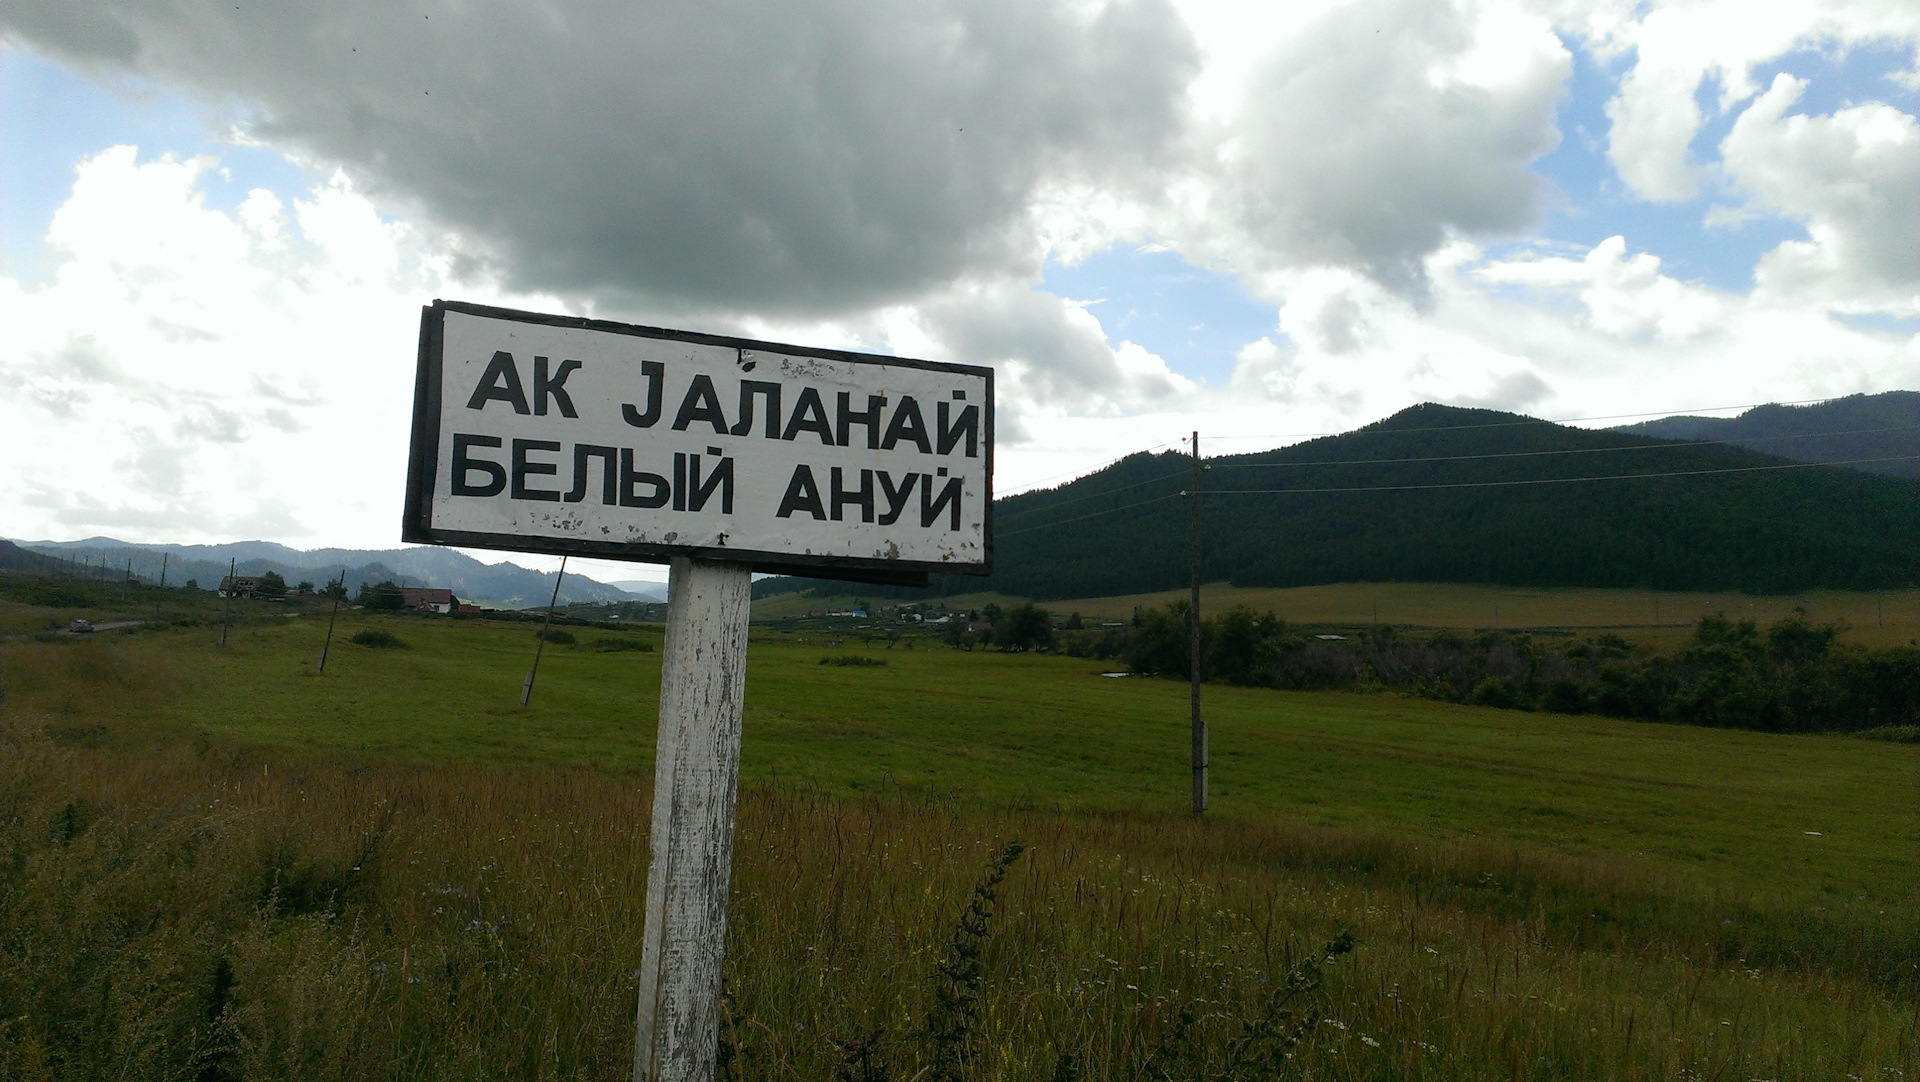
(239, 585)
(440, 601)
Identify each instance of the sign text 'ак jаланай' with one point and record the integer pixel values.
(572, 436)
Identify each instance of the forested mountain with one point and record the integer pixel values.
(1881, 426)
(506, 585)
(1440, 494)
(15, 558)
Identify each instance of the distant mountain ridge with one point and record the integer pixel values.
(1443, 494)
(503, 585)
(1847, 430)
(15, 558)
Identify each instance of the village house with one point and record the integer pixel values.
(428, 600)
(239, 585)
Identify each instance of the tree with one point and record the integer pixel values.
(1023, 628)
(1159, 641)
(381, 595)
(271, 587)
(1245, 646)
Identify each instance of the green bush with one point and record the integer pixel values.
(379, 640)
(558, 638)
(610, 645)
(1894, 734)
(855, 661)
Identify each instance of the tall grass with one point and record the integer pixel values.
(203, 913)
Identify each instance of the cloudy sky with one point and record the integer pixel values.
(219, 220)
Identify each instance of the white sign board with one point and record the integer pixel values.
(581, 437)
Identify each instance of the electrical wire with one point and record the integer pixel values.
(1549, 480)
(1035, 486)
(1002, 534)
(1096, 495)
(1662, 446)
(1528, 421)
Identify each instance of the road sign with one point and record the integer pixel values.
(538, 433)
(720, 456)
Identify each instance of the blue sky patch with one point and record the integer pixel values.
(56, 117)
(1195, 319)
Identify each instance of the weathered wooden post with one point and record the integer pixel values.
(696, 771)
(339, 592)
(721, 456)
(1199, 723)
(226, 596)
(526, 690)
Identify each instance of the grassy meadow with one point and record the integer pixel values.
(1660, 618)
(218, 863)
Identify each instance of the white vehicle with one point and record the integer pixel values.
(80, 627)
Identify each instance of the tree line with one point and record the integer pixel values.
(1794, 676)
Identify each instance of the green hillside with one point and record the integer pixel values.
(1851, 429)
(1440, 494)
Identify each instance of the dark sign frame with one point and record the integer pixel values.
(423, 460)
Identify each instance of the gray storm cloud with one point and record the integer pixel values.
(734, 154)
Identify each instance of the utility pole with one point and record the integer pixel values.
(526, 692)
(163, 570)
(337, 595)
(226, 600)
(1193, 636)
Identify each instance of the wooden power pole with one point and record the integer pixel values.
(1193, 636)
(226, 597)
(526, 690)
(338, 592)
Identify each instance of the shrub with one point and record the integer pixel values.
(558, 638)
(378, 640)
(855, 661)
(1894, 734)
(1565, 696)
(610, 645)
(1500, 692)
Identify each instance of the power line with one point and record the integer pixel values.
(1552, 480)
(998, 534)
(1036, 486)
(1662, 446)
(1527, 421)
(1096, 495)
(1457, 484)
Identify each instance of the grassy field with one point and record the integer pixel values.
(1535, 896)
(1052, 732)
(1657, 617)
